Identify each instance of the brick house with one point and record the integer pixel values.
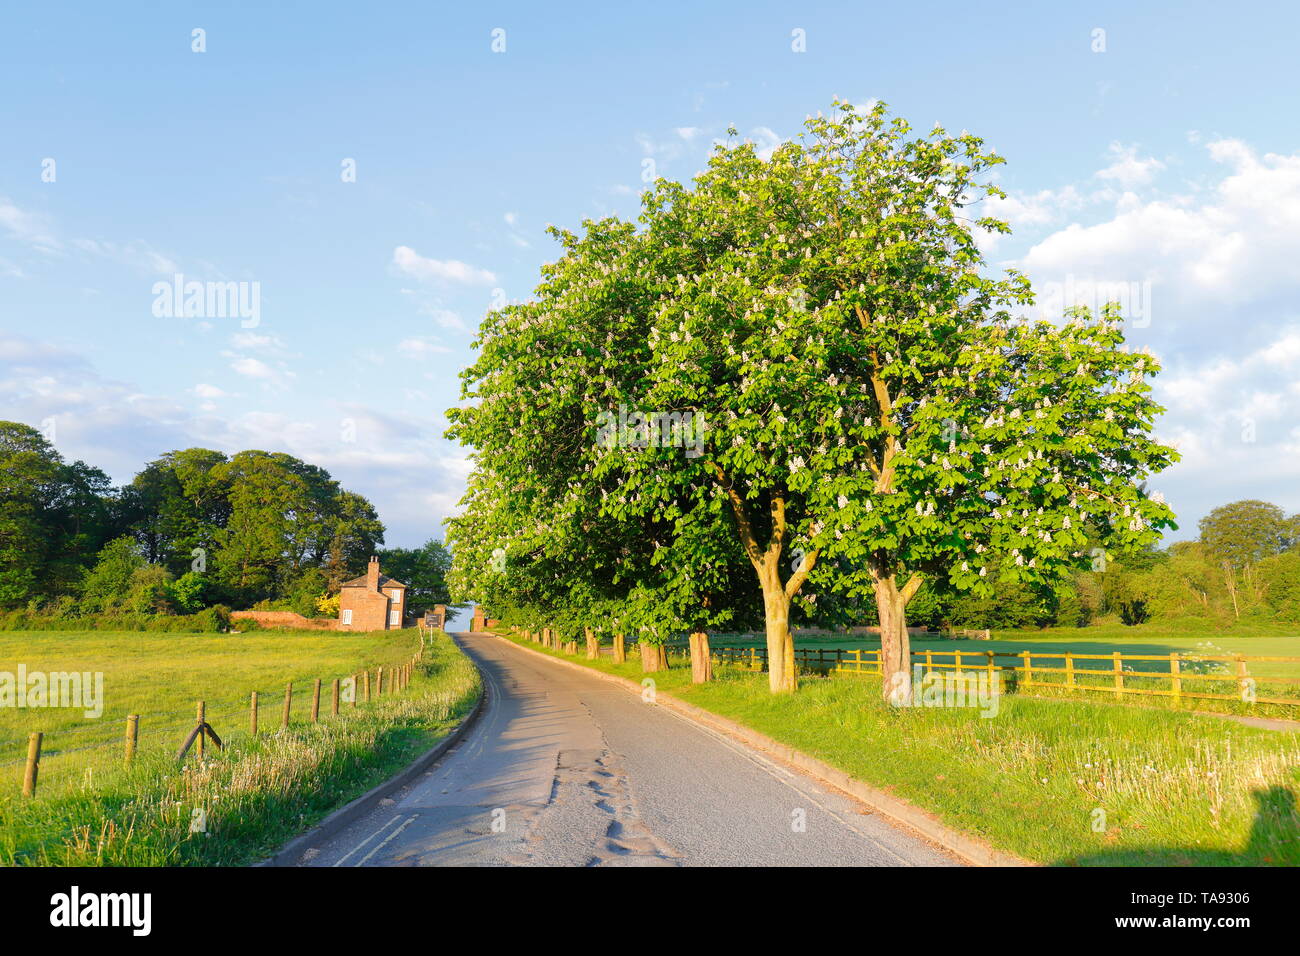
(372, 602)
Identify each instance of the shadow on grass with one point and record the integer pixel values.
(1274, 841)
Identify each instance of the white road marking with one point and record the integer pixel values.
(344, 858)
(366, 859)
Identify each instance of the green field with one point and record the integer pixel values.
(1173, 789)
(257, 792)
(1198, 644)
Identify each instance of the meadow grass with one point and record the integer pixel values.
(1056, 782)
(246, 800)
(1196, 647)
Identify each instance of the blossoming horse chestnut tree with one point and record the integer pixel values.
(876, 413)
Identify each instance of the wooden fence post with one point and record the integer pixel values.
(1242, 676)
(1069, 669)
(620, 649)
(33, 764)
(1175, 676)
(252, 713)
(288, 703)
(132, 735)
(929, 661)
(356, 689)
(957, 661)
(1028, 661)
(1119, 675)
(203, 719)
(315, 700)
(334, 709)
(379, 682)
(366, 685)
(992, 679)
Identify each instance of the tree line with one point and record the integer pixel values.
(834, 406)
(194, 529)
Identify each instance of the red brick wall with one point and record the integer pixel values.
(285, 619)
(369, 609)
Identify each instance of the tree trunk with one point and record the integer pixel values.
(620, 651)
(895, 644)
(701, 661)
(593, 644)
(1232, 588)
(653, 657)
(781, 677)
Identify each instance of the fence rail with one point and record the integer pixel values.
(1182, 676)
(165, 731)
(1177, 680)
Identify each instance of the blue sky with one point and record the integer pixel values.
(1169, 161)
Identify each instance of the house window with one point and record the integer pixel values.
(395, 617)
(347, 616)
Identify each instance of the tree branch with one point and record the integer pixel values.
(800, 575)
(747, 539)
(910, 588)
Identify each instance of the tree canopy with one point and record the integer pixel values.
(194, 527)
(798, 371)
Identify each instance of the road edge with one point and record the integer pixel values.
(969, 849)
(354, 810)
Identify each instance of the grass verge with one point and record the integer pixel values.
(1058, 782)
(242, 803)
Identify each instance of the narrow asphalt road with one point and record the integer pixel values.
(566, 769)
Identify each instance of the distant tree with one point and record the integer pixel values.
(54, 517)
(108, 585)
(176, 506)
(423, 570)
(1281, 576)
(1245, 532)
(354, 532)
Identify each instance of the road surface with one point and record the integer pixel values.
(566, 769)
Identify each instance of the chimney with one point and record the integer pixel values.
(372, 574)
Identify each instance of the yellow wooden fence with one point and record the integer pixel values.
(1180, 675)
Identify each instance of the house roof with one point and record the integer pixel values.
(384, 581)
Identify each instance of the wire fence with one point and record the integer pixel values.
(71, 757)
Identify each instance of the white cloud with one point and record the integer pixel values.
(1127, 169)
(765, 142)
(26, 227)
(203, 390)
(411, 473)
(257, 342)
(137, 254)
(260, 371)
(421, 347)
(1234, 245)
(411, 263)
